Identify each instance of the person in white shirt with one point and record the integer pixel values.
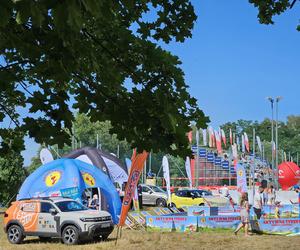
(257, 203)
(225, 191)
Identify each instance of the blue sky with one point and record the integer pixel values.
(232, 63)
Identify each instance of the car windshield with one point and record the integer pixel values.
(70, 206)
(157, 189)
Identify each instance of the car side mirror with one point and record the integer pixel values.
(52, 211)
(150, 192)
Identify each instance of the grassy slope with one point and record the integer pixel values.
(210, 239)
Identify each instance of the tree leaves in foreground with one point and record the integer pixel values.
(267, 9)
(12, 174)
(100, 58)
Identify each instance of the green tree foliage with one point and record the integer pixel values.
(267, 9)
(59, 55)
(86, 135)
(12, 172)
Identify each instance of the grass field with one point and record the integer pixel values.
(208, 239)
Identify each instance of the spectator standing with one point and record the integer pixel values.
(257, 203)
(225, 191)
(265, 196)
(244, 215)
(271, 195)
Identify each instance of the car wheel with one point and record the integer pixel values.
(161, 202)
(201, 204)
(44, 239)
(172, 205)
(104, 236)
(15, 234)
(70, 235)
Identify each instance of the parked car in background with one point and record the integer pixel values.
(153, 195)
(55, 217)
(189, 197)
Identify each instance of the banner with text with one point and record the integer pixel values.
(171, 223)
(277, 226)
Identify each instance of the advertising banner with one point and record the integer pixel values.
(166, 172)
(213, 211)
(188, 170)
(278, 226)
(241, 178)
(219, 221)
(198, 211)
(135, 172)
(171, 223)
(280, 211)
(72, 193)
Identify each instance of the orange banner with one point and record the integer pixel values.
(135, 172)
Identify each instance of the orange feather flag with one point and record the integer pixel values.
(135, 172)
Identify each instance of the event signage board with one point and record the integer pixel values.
(241, 178)
(72, 192)
(219, 221)
(277, 226)
(213, 211)
(285, 211)
(288, 226)
(171, 223)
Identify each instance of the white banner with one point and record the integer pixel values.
(259, 143)
(166, 171)
(204, 137)
(243, 143)
(188, 170)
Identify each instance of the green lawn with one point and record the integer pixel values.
(138, 240)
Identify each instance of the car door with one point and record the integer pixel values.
(146, 194)
(181, 198)
(46, 222)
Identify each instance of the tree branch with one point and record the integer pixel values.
(10, 116)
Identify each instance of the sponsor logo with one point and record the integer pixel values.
(52, 178)
(132, 184)
(240, 173)
(89, 179)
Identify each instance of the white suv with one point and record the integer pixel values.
(55, 217)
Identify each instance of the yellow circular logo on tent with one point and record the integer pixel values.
(88, 179)
(150, 220)
(240, 173)
(203, 220)
(52, 178)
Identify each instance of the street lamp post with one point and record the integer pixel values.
(272, 129)
(278, 98)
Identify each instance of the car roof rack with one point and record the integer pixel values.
(45, 198)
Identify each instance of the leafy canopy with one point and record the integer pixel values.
(267, 9)
(58, 56)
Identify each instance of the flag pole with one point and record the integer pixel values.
(197, 158)
(253, 167)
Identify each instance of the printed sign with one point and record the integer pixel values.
(277, 212)
(219, 221)
(278, 226)
(72, 193)
(213, 211)
(52, 178)
(241, 178)
(88, 179)
(171, 223)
